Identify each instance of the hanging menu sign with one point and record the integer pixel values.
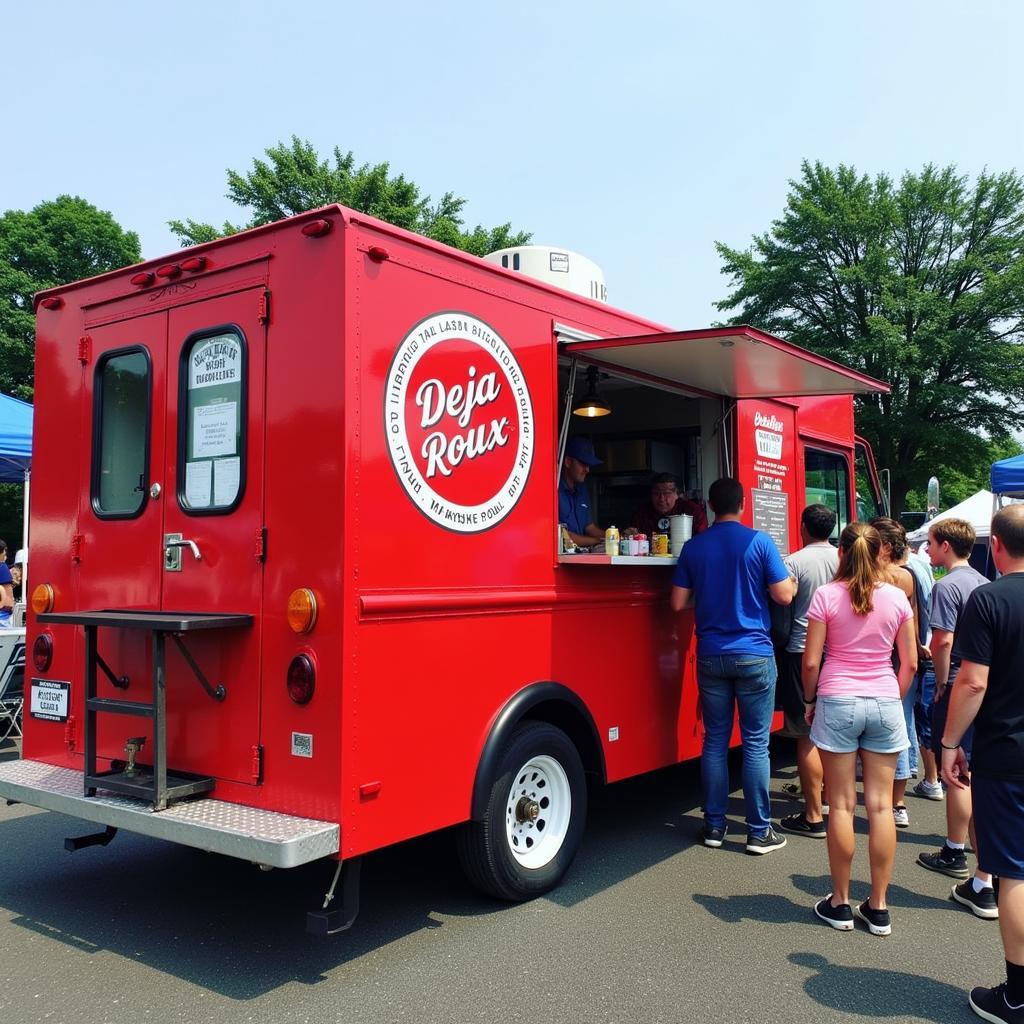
(213, 449)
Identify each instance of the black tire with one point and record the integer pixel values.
(485, 852)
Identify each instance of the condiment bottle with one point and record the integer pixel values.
(611, 540)
(645, 544)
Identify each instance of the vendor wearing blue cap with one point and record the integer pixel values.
(574, 507)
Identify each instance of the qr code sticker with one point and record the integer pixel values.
(302, 744)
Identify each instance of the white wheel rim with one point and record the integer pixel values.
(538, 811)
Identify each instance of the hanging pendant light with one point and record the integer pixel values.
(591, 404)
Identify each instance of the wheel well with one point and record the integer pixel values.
(548, 702)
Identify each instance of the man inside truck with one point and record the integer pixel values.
(666, 501)
(574, 508)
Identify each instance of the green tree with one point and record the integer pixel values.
(54, 243)
(919, 284)
(294, 179)
(956, 486)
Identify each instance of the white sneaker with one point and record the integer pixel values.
(928, 790)
(901, 817)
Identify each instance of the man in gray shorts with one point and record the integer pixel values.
(813, 566)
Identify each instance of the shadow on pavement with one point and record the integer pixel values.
(873, 992)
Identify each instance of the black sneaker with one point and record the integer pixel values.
(947, 862)
(981, 904)
(878, 921)
(799, 825)
(770, 841)
(991, 1004)
(714, 835)
(840, 918)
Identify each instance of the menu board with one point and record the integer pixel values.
(771, 514)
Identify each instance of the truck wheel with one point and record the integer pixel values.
(534, 820)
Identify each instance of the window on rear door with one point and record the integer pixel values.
(211, 421)
(827, 482)
(120, 454)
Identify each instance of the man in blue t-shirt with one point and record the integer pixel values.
(730, 570)
(574, 508)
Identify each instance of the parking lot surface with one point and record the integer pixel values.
(649, 926)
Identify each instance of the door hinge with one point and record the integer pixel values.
(69, 732)
(263, 307)
(261, 544)
(257, 764)
(84, 349)
(76, 547)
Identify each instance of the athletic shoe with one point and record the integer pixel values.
(840, 918)
(799, 825)
(981, 904)
(878, 921)
(991, 1004)
(792, 789)
(770, 841)
(947, 862)
(928, 790)
(901, 817)
(714, 835)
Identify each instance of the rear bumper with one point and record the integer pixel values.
(263, 837)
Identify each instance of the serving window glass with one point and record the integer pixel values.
(211, 431)
(827, 482)
(121, 415)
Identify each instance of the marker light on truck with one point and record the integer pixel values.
(194, 264)
(142, 278)
(302, 610)
(42, 599)
(301, 679)
(42, 652)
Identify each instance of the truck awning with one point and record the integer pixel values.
(737, 362)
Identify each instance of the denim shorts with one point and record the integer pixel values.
(843, 725)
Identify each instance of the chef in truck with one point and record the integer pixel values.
(574, 498)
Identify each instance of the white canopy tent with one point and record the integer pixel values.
(977, 510)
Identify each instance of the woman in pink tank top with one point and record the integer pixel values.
(854, 707)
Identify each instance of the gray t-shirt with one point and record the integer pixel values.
(949, 598)
(813, 566)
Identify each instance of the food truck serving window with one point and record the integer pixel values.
(120, 450)
(211, 418)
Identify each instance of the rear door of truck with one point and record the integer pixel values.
(172, 521)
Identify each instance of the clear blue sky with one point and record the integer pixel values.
(635, 138)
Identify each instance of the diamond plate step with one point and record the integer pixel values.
(263, 837)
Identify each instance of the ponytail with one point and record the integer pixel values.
(859, 568)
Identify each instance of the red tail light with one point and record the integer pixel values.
(42, 652)
(301, 679)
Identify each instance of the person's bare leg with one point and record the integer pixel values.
(931, 768)
(958, 814)
(878, 790)
(1011, 918)
(808, 766)
(899, 790)
(982, 876)
(841, 780)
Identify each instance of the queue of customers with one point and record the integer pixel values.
(868, 657)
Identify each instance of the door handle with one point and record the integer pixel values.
(173, 545)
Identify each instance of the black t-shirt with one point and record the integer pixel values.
(991, 632)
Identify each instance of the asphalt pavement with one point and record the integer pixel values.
(649, 926)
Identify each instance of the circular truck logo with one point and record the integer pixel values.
(459, 422)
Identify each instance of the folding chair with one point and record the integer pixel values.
(12, 689)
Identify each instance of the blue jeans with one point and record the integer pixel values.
(725, 681)
(906, 763)
(923, 706)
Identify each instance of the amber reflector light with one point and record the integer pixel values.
(302, 610)
(42, 599)
(42, 652)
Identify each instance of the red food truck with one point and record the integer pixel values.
(298, 590)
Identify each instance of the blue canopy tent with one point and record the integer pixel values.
(16, 449)
(1008, 478)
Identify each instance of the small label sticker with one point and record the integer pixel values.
(302, 744)
(559, 262)
(49, 700)
(613, 734)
